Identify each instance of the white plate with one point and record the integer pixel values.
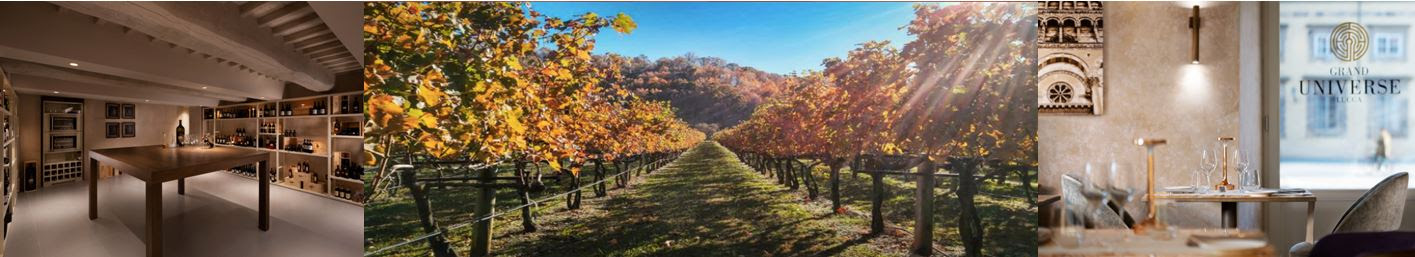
(1262, 192)
(1179, 189)
(1232, 244)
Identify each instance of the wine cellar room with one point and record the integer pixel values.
(156, 120)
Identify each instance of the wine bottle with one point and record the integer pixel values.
(181, 133)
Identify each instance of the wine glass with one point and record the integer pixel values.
(1240, 166)
(1092, 191)
(1073, 225)
(1120, 190)
(1251, 179)
(1207, 163)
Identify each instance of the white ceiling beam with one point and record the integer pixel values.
(314, 41)
(110, 83)
(321, 55)
(296, 25)
(34, 34)
(256, 9)
(215, 28)
(284, 14)
(307, 33)
(346, 20)
(47, 86)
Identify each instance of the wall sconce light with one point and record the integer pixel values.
(1194, 30)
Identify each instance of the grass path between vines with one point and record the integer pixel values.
(706, 203)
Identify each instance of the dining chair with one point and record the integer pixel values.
(1379, 209)
(1103, 217)
(1366, 244)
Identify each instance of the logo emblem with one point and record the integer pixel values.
(1349, 41)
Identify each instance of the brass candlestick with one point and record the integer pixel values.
(1224, 185)
(1151, 220)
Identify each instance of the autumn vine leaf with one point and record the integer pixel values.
(527, 90)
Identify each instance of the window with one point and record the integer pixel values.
(1389, 112)
(1334, 142)
(1060, 93)
(1282, 109)
(1388, 46)
(1282, 43)
(1326, 116)
(1321, 37)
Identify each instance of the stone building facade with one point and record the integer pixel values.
(1070, 51)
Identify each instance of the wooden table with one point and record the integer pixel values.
(1228, 203)
(1123, 242)
(156, 164)
(1045, 199)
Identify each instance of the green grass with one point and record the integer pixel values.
(1009, 223)
(705, 204)
(708, 204)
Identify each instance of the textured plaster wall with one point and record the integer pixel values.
(1152, 90)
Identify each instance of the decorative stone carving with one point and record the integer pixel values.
(1071, 46)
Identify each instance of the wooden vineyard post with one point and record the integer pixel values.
(923, 210)
(876, 203)
(969, 227)
(599, 189)
(572, 201)
(481, 232)
(621, 179)
(808, 175)
(834, 186)
(528, 218)
(438, 244)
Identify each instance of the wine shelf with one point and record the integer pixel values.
(8, 151)
(312, 119)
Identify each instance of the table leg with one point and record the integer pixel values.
(1311, 206)
(264, 178)
(154, 219)
(1230, 214)
(93, 190)
(182, 186)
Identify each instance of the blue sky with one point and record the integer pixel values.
(775, 37)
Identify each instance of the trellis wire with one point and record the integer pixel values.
(494, 213)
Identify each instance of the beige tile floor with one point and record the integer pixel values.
(217, 217)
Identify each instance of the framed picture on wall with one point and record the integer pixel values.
(112, 110)
(1071, 48)
(130, 129)
(130, 111)
(111, 130)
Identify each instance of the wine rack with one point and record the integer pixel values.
(60, 172)
(313, 141)
(8, 150)
(62, 158)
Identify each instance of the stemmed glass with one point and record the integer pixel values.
(1120, 190)
(1208, 162)
(1092, 190)
(1071, 234)
(1247, 173)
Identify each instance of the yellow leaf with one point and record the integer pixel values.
(430, 94)
(428, 121)
(513, 63)
(515, 125)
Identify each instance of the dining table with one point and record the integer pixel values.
(1228, 202)
(1159, 243)
(157, 164)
